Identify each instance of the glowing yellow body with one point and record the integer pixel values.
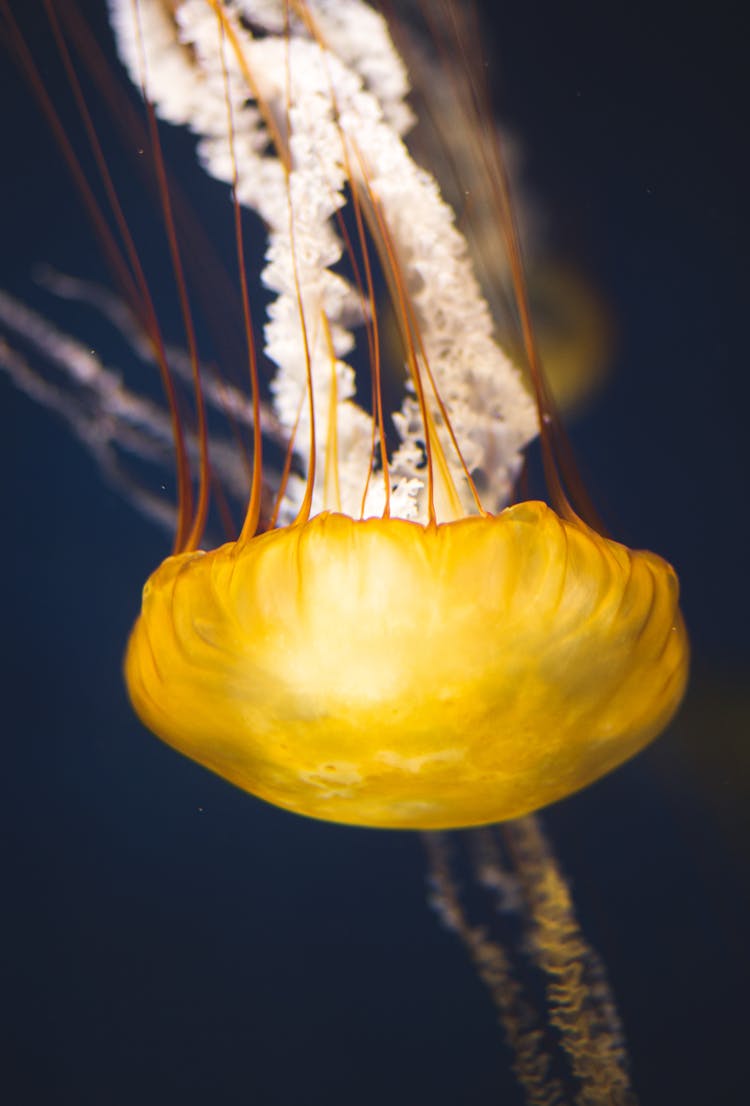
(384, 673)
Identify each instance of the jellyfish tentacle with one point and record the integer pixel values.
(521, 1023)
(582, 1006)
(516, 864)
(485, 415)
(112, 421)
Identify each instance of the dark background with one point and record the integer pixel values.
(167, 939)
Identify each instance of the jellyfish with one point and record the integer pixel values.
(394, 639)
(405, 650)
(401, 644)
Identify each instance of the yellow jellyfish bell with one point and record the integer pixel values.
(386, 673)
(455, 666)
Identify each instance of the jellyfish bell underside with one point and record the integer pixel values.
(386, 673)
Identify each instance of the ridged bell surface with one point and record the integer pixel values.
(384, 673)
